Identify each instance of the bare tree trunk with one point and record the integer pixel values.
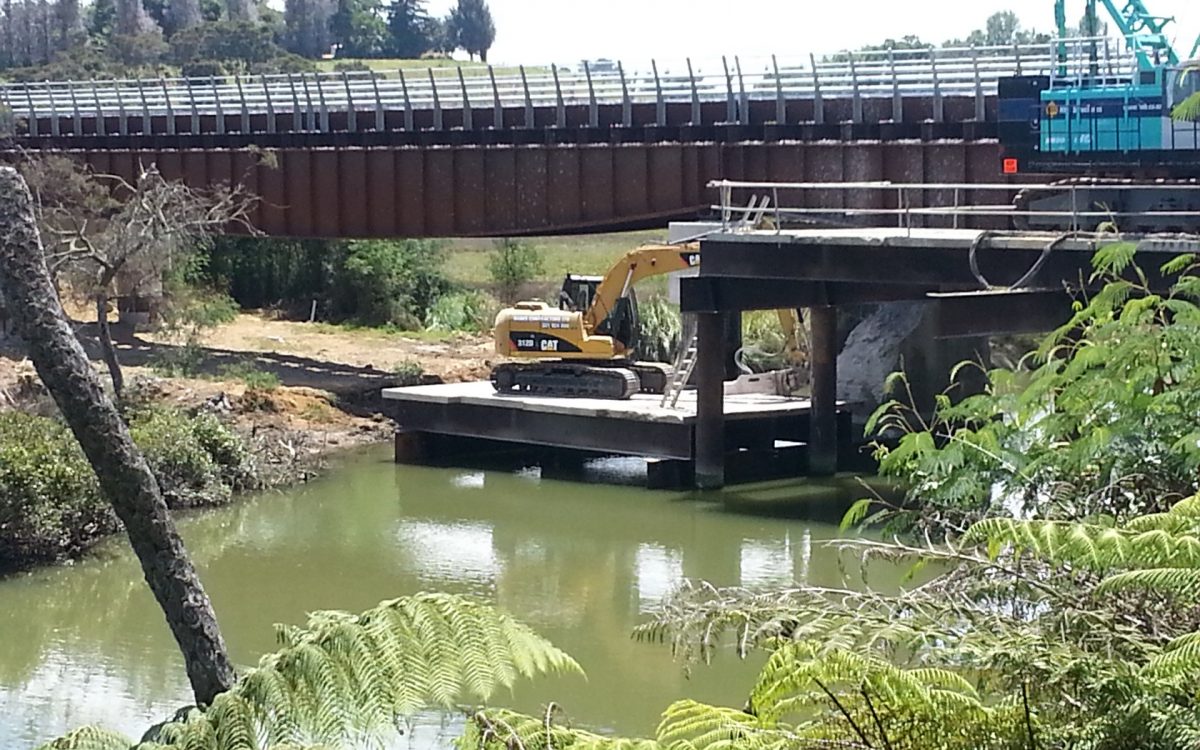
(124, 475)
(107, 349)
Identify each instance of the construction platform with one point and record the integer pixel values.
(764, 436)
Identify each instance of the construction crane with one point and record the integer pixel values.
(1108, 133)
(586, 345)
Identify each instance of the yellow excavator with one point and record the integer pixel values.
(586, 346)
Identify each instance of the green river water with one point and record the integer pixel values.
(580, 562)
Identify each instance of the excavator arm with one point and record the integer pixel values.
(638, 264)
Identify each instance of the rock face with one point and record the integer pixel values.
(897, 336)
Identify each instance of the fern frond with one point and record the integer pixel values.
(1087, 545)
(501, 729)
(351, 676)
(698, 725)
(89, 738)
(1181, 658)
(1183, 583)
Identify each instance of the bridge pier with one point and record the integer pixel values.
(710, 401)
(823, 432)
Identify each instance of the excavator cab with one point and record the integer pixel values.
(578, 293)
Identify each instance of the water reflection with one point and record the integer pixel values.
(582, 563)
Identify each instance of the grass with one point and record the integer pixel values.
(439, 66)
(467, 260)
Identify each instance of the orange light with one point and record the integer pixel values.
(1011, 166)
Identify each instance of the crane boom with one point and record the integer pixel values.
(1143, 31)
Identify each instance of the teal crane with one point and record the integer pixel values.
(1143, 31)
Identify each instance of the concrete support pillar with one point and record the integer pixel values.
(710, 401)
(823, 438)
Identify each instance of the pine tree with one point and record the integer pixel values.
(408, 27)
(472, 27)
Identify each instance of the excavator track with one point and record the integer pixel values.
(565, 379)
(1110, 195)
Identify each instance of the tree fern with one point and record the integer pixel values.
(349, 677)
(89, 738)
(501, 729)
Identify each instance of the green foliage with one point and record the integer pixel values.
(390, 282)
(235, 46)
(349, 678)
(408, 372)
(466, 311)
(358, 26)
(1101, 419)
(512, 265)
(660, 330)
(410, 28)
(51, 505)
(471, 27)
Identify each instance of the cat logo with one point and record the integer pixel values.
(1052, 109)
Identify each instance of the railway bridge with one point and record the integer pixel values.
(386, 154)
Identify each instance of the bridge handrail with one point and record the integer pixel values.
(952, 200)
(957, 72)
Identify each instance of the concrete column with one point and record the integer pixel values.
(710, 401)
(823, 439)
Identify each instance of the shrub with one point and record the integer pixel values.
(185, 452)
(512, 265)
(466, 311)
(50, 503)
(396, 283)
(408, 372)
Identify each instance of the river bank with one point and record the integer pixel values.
(264, 405)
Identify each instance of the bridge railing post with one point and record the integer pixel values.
(528, 98)
(409, 119)
(101, 128)
(147, 122)
(351, 111)
(780, 101)
(980, 101)
(897, 96)
(560, 105)
(54, 126)
(626, 102)
(380, 112)
(856, 103)
(298, 123)
(939, 110)
(33, 118)
(310, 116)
(468, 120)
(323, 124)
(730, 100)
(497, 105)
(1017, 57)
(743, 98)
(122, 115)
(271, 124)
(697, 117)
(660, 105)
(593, 105)
(77, 115)
(212, 80)
(237, 79)
(818, 101)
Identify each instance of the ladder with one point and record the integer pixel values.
(685, 363)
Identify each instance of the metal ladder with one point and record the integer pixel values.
(685, 362)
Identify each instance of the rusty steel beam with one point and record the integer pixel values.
(513, 190)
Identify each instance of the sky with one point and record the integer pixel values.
(566, 31)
